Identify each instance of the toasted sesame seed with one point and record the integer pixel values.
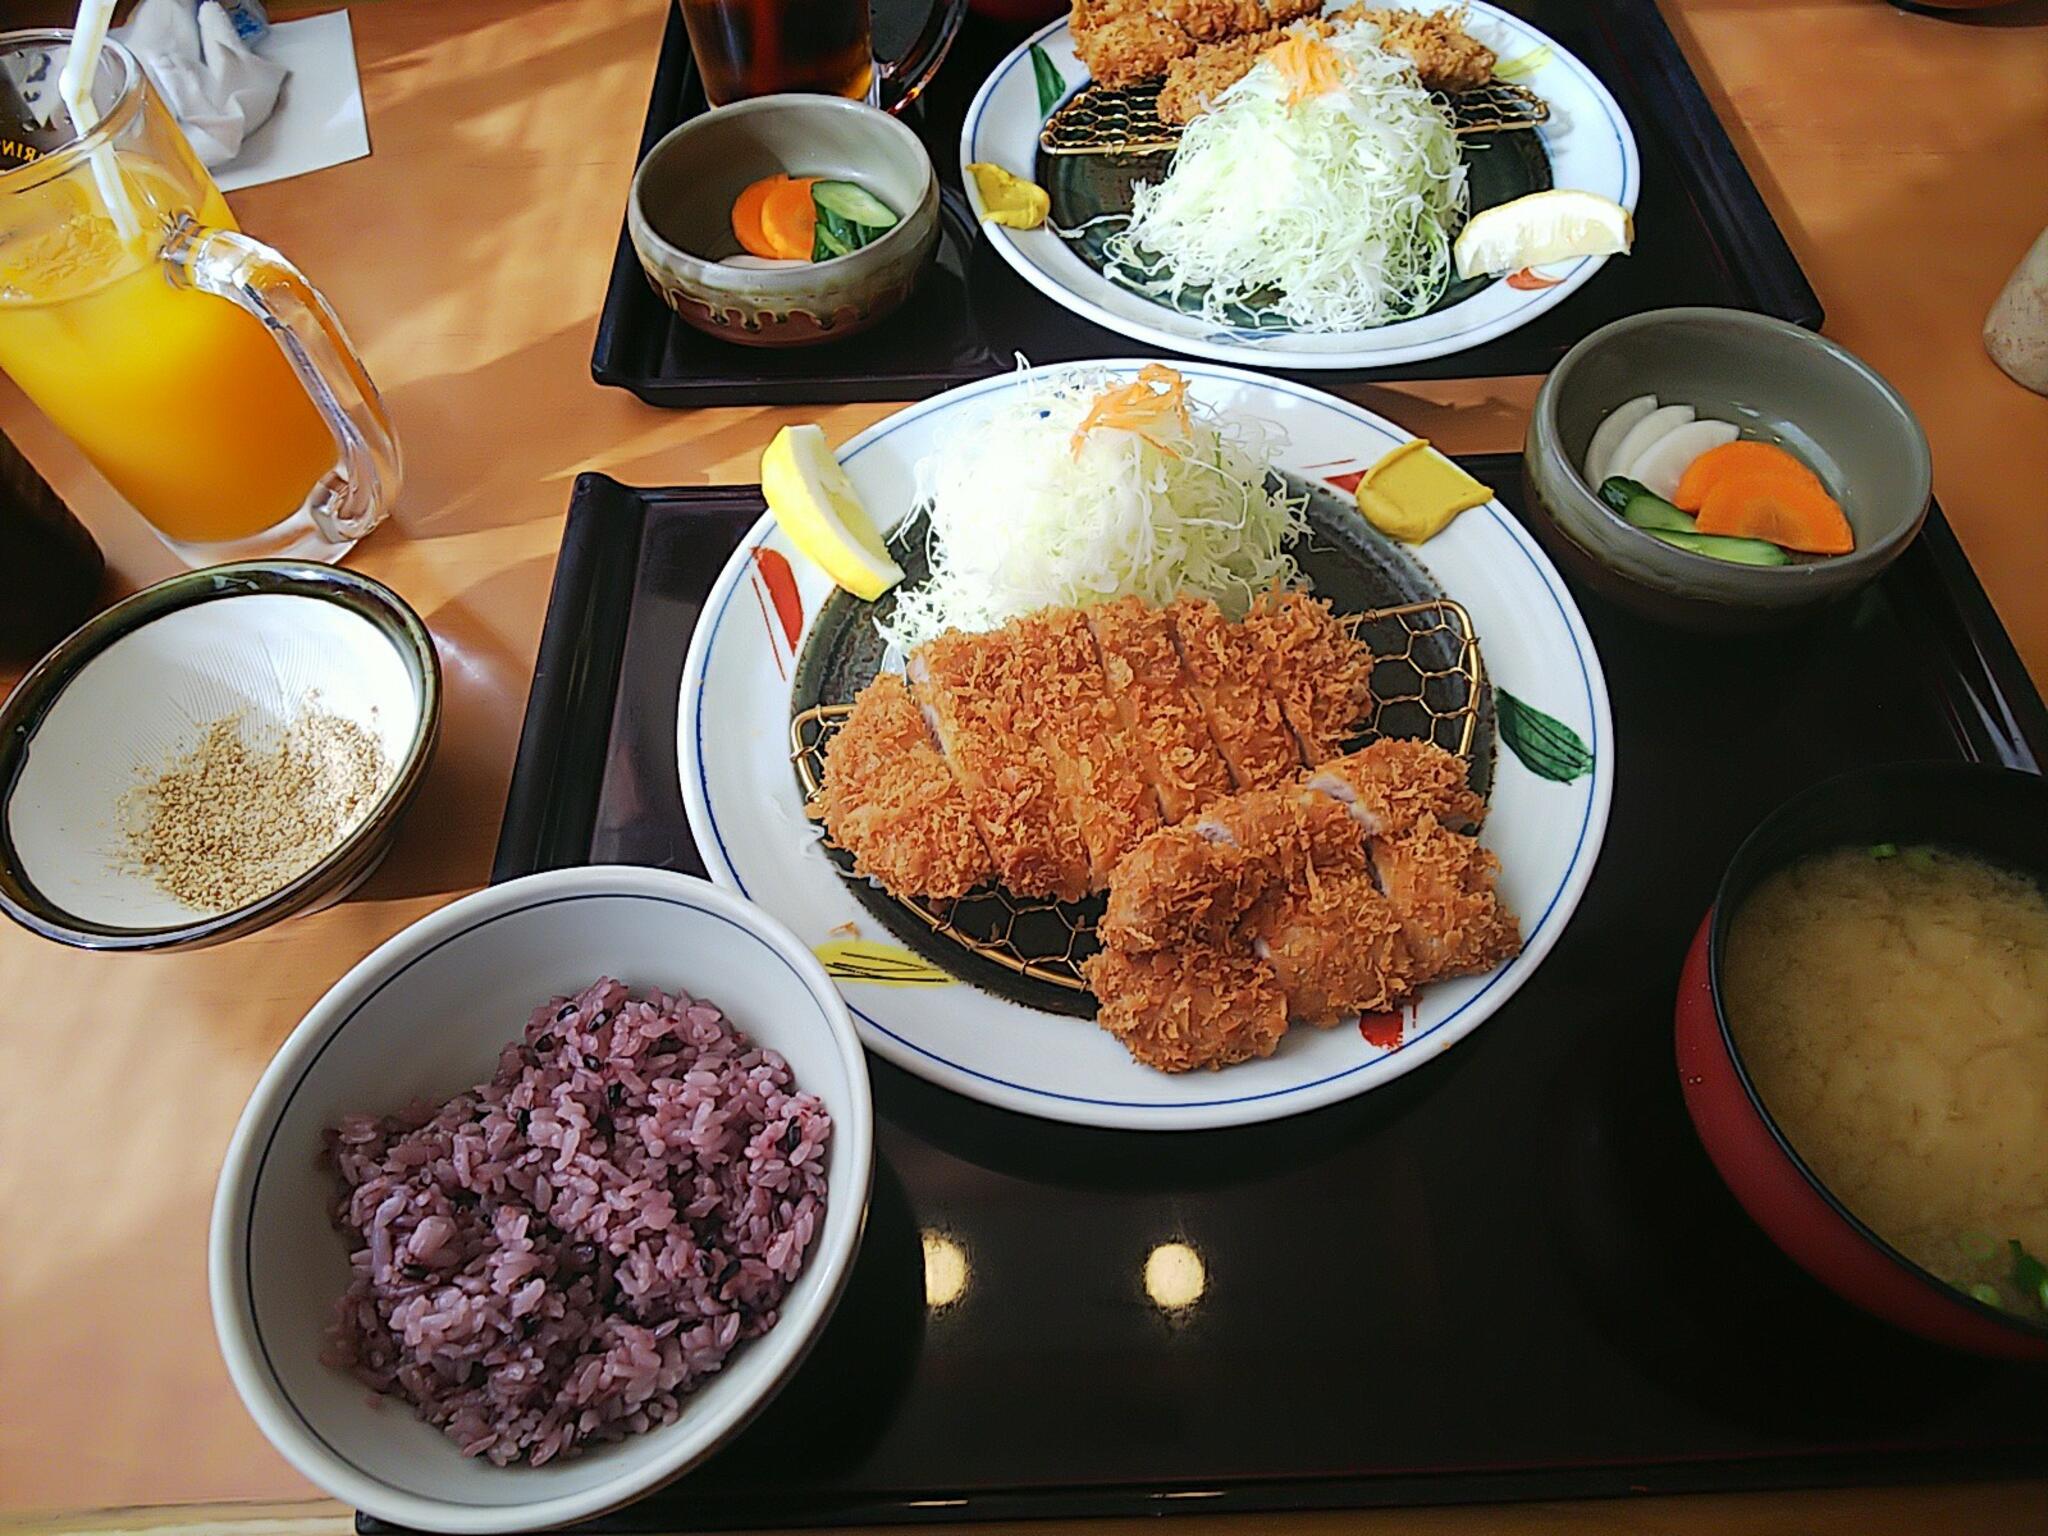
(232, 818)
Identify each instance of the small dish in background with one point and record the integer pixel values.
(1778, 383)
(258, 653)
(679, 215)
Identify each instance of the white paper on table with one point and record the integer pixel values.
(319, 119)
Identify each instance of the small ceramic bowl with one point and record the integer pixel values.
(1777, 382)
(426, 1016)
(136, 686)
(1997, 813)
(680, 218)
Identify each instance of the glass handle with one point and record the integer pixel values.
(904, 79)
(354, 496)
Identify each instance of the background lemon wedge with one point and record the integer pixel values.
(816, 505)
(1544, 226)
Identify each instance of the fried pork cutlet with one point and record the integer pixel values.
(1083, 738)
(1441, 886)
(1390, 784)
(890, 797)
(1150, 688)
(1348, 888)
(1445, 56)
(1198, 879)
(1126, 41)
(1178, 1009)
(1194, 81)
(976, 692)
(1224, 677)
(1337, 947)
(1321, 672)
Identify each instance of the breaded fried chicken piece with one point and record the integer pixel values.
(1077, 726)
(1321, 672)
(1388, 785)
(1198, 1006)
(1447, 58)
(1225, 678)
(890, 799)
(1336, 948)
(1441, 886)
(1150, 688)
(976, 692)
(1125, 41)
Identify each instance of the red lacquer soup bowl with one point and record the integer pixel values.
(1997, 813)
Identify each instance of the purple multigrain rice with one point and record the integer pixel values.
(559, 1256)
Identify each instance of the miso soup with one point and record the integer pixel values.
(1891, 1005)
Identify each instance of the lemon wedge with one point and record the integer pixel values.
(1542, 227)
(816, 505)
(1008, 199)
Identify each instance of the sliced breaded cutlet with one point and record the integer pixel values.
(1445, 56)
(1179, 1009)
(1197, 879)
(890, 800)
(1444, 888)
(1337, 947)
(1389, 785)
(977, 697)
(1226, 678)
(1124, 42)
(1079, 729)
(1319, 669)
(1149, 685)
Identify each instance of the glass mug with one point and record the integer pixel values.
(762, 47)
(197, 369)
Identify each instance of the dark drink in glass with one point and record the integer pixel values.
(761, 47)
(50, 567)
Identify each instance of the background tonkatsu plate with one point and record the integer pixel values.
(778, 640)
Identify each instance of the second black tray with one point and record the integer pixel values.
(1703, 236)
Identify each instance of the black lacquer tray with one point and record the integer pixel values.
(1511, 1274)
(1703, 236)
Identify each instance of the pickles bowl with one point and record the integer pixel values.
(1776, 383)
(679, 216)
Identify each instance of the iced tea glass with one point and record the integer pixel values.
(764, 47)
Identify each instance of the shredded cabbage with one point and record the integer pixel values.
(1023, 519)
(1335, 214)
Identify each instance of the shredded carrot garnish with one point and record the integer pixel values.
(1309, 65)
(1157, 395)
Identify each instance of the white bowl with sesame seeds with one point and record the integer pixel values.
(219, 751)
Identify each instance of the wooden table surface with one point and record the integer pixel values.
(1905, 155)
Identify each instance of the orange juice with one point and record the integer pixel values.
(182, 399)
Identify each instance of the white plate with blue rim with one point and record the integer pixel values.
(751, 666)
(1585, 144)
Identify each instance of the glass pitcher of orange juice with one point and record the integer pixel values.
(197, 369)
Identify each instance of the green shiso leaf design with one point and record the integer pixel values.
(1051, 87)
(1548, 748)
